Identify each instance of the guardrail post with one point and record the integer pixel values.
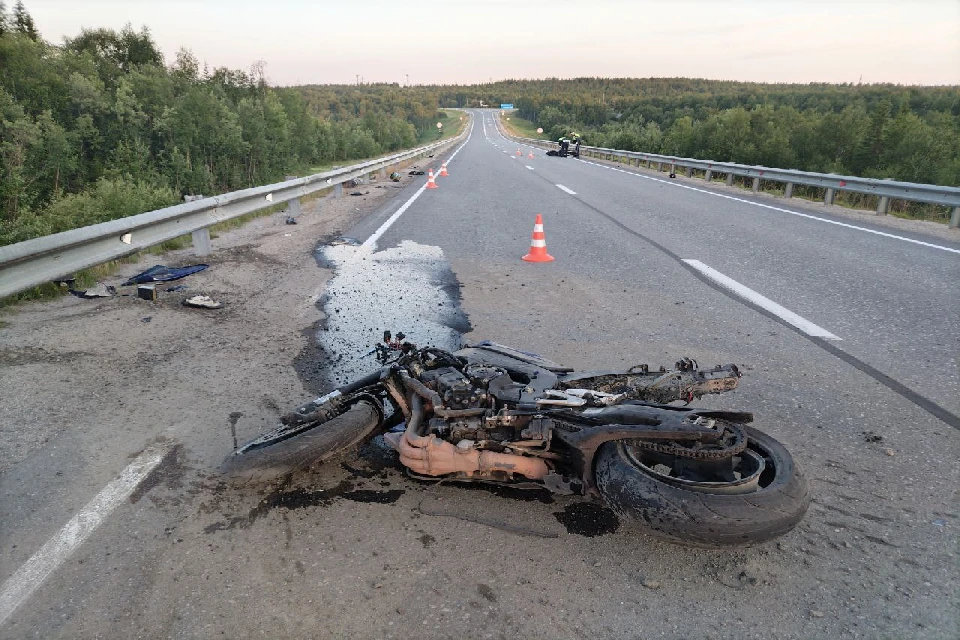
(828, 198)
(293, 207)
(955, 218)
(659, 166)
(883, 206)
(201, 242)
(649, 163)
(788, 190)
(729, 180)
(707, 175)
(756, 185)
(688, 172)
(338, 190)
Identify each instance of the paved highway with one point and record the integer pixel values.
(859, 343)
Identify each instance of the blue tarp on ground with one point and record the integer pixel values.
(161, 273)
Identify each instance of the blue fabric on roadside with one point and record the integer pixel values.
(161, 273)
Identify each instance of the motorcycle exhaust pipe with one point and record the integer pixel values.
(431, 456)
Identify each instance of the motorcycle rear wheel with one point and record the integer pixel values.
(705, 518)
(278, 454)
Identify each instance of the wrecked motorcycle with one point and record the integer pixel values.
(491, 413)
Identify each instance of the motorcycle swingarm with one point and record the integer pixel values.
(640, 422)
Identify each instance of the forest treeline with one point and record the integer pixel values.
(907, 133)
(98, 127)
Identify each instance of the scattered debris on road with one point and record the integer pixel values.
(162, 273)
(202, 302)
(99, 291)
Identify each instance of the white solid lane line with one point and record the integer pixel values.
(763, 302)
(371, 241)
(529, 167)
(31, 575)
(780, 209)
(563, 188)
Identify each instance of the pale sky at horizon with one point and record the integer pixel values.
(459, 42)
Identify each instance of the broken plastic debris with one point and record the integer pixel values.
(126, 238)
(202, 302)
(161, 273)
(291, 220)
(268, 197)
(99, 291)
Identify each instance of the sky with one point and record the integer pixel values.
(461, 42)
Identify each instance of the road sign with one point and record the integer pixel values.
(506, 106)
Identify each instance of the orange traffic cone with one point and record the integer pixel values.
(431, 184)
(530, 155)
(443, 170)
(519, 153)
(538, 245)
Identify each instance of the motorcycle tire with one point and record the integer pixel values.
(701, 519)
(315, 444)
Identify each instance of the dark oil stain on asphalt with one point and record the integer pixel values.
(301, 498)
(169, 472)
(488, 593)
(588, 519)
(376, 497)
(512, 493)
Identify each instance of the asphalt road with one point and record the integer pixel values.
(875, 557)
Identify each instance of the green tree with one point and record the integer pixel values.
(4, 24)
(23, 22)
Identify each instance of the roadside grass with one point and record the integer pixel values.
(452, 125)
(519, 127)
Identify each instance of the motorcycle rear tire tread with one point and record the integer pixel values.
(314, 445)
(705, 520)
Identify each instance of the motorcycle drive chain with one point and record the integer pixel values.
(734, 442)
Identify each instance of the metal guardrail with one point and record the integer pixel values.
(885, 189)
(32, 262)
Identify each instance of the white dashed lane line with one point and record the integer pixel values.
(529, 167)
(763, 302)
(563, 188)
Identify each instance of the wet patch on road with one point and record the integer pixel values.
(588, 519)
(376, 497)
(409, 288)
(301, 498)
